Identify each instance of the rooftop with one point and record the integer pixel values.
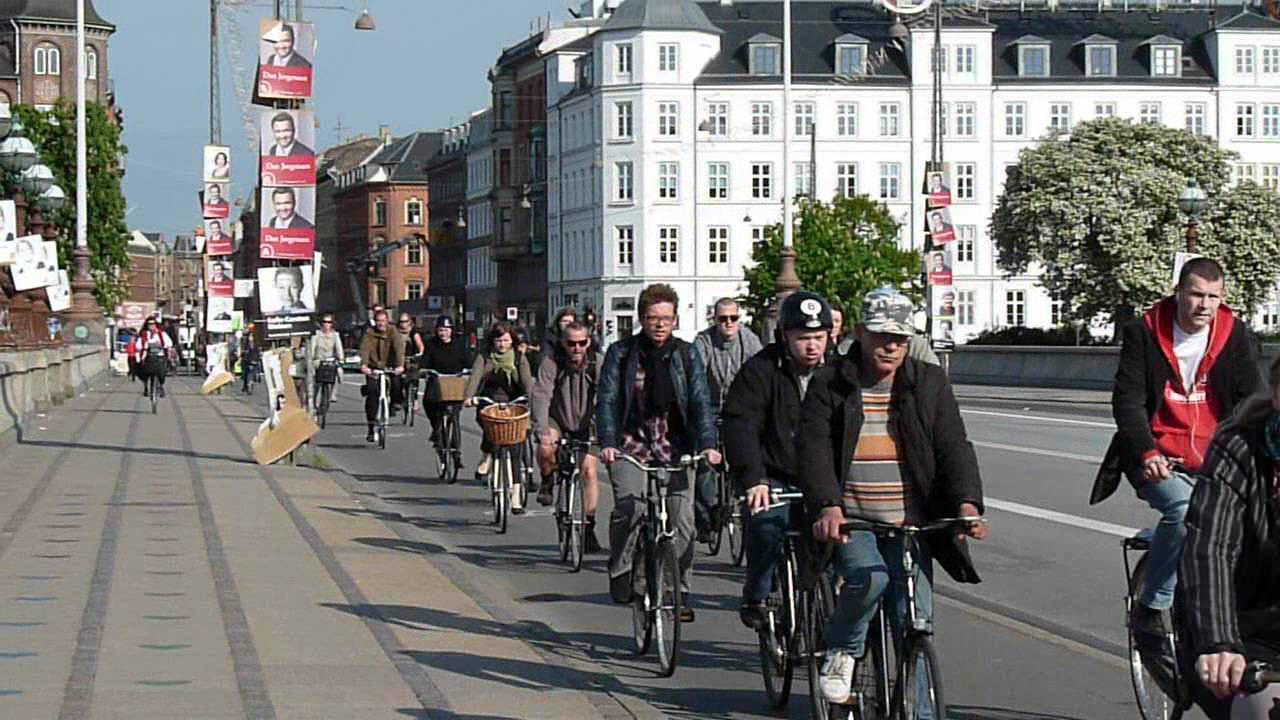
(59, 11)
(660, 15)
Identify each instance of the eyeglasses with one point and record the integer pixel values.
(577, 343)
(660, 320)
(326, 322)
(728, 318)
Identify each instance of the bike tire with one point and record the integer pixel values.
(774, 640)
(871, 674)
(1152, 667)
(818, 610)
(736, 528)
(641, 618)
(495, 494)
(563, 518)
(505, 478)
(577, 522)
(155, 395)
(666, 593)
(920, 669)
(325, 390)
(721, 516)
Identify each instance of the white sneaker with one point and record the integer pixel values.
(836, 678)
(483, 468)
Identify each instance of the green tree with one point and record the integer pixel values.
(54, 134)
(844, 249)
(1097, 213)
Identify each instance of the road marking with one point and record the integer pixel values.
(1093, 459)
(1060, 518)
(1041, 418)
(941, 594)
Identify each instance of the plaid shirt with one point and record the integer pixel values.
(650, 440)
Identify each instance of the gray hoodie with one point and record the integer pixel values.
(724, 358)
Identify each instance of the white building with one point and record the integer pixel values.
(665, 129)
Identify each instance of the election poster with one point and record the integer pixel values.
(287, 229)
(31, 267)
(215, 202)
(287, 139)
(286, 290)
(218, 314)
(60, 294)
(939, 266)
(285, 54)
(8, 222)
(940, 227)
(217, 164)
(937, 189)
(216, 239)
(244, 287)
(944, 317)
(219, 279)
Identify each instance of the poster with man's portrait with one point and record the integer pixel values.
(286, 290)
(60, 293)
(287, 229)
(285, 53)
(217, 164)
(219, 278)
(215, 201)
(31, 267)
(216, 238)
(939, 266)
(940, 227)
(944, 317)
(218, 314)
(287, 140)
(937, 189)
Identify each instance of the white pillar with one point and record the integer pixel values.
(82, 172)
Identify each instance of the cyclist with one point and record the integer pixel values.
(551, 340)
(380, 349)
(563, 404)
(1230, 592)
(761, 414)
(526, 350)
(249, 357)
(143, 350)
(499, 374)
(652, 403)
(447, 355)
(881, 437)
(413, 349)
(326, 345)
(723, 347)
(919, 348)
(1186, 365)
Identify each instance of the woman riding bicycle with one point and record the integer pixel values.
(500, 374)
(151, 350)
(413, 349)
(1230, 573)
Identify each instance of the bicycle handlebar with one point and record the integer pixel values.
(1257, 676)
(437, 373)
(776, 500)
(685, 462)
(877, 526)
(483, 401)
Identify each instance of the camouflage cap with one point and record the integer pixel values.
(885, 310)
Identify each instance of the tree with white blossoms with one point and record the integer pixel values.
(1097, 213)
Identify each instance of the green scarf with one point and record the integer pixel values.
(505, 363)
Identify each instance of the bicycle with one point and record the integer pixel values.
(571, 519)
(384, 407)
(448, 445)
(326, 377)
(410, 386)
(1153, 664)
(508, 430)
(656, 610)
(155, 365)
(875, 693)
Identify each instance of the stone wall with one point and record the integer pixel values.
(33, 381)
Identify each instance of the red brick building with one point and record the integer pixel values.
(38, 52)
(144, 268)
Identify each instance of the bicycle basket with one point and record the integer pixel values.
(326, 373)
(451, 389)
(505, 425)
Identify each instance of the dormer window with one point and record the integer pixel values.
(851, 55)
(765, 54)
(1099, 56)
(1166, 56)
(1033, 56)
(584, 71)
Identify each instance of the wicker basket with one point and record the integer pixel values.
(505, 425)
(452, 389)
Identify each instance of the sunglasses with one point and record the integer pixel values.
(577, 343)
(728, 318)
(326, 322)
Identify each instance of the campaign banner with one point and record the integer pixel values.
(287, 139)
(32, 263)
(244, 287)
(937, 189)
(938, 265)
(280, 327)
(944, 317)
(287, 232)
(133, 314)
(218, 314)
(215, 203)
(216, 241)
(285, 52)
(940, 227)
(60, 294)
(286, 290)
(219, 279)
(217, 164)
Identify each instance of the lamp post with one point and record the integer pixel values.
(787, 281)
(85, 319)
(1192, 201)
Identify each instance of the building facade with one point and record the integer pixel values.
(482, 271)
(331, 164)
(38, 53)
(447, 178)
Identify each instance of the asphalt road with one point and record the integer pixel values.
(1041, 638)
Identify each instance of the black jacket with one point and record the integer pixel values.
(937, 456)
(448, 358)
(615, 394)
(1141, 377)
(760, 417)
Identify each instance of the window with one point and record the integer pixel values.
(765, 59)
(413, 291)
(624, 126)
(413, 255)
(943, 116)
(668, 114)
(622, 60)
(1243, 172)
(938, 59)
(1149, 113)
(851, 59)
(624, 188)
(1244, 120)
(1104, 110)
(718, 119)
(1100, 60)
(890, 115)
(1015, 307)
(718, 180)
(413, 212)
(1056, 307)
(762, 119)
(1244, 61)
(802, 179)
(626, 244)
(1060, 117)
(1033, 61)
(890, 181)
(847, 119)
(966, 177)
(379, 212)
(1194, 116)
(964, 59)
(762, 180)
(1271, 61)
(1271, 176)
(964, 307)
(758, 237)
(804, 119)
(668, 245)
(847, 179)
(718, 245)
(965, 235)
(1271, 121)
(668, 180)
(1166, 61)
(667, 56)
(91, 64)
(1015, 119)
(48, 61)
(966, 119)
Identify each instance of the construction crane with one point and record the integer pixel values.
(370, 260)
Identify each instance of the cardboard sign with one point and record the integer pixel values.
(288, 426)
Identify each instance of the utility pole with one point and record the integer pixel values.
(215, 83)
(87, 327)
(787, 281)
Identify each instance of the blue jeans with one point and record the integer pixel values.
(766, 533)
(1170, 498)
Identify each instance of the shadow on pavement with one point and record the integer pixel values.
(990, 713)
(138, 450)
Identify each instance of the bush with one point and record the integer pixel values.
(1061, 335)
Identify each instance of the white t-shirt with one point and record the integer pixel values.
(1190, 350)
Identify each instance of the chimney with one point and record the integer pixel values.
(384, 134)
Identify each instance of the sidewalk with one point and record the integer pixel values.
(153, 571)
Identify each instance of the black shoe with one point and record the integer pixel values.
(146, 393)
(686, 614)
(546, 496)
(704, 537)
(590, 545)
(1146, 621)
(752, 614)
(395, 409)
(620, 588)
(435, 437)
(161, 391)
(369, 437)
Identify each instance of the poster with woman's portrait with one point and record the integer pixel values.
(31, 268)
(286, 290)
(217, 164)
(285, 53)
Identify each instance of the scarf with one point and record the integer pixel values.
(505, 365)
(659, 392)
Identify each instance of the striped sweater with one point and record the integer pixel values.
(875, 487)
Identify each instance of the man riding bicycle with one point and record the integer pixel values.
(446, 355)
(380, 349)
(151, 350)
(881, 438)
(1184, 366)
(761, 414)
(563, 405)
(326, 347)
(413, 349)
(652, 404)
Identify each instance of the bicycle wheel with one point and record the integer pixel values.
(504, 488)
(666, 619)
(411, 404)
(641, 618)
(155, 394)
(563, 518)
(736, 529)
(577, 522)
(1152, 668)
(818, 609)
(776, 660)
(495, 492)
(920, 681)
(721, 513)
(325, 390)
(871, 674)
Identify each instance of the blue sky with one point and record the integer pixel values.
(423, 68)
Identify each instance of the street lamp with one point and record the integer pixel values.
(6, 120)
(36, 179)
(17, 153)
(1192, 201)
(365, 21)
(52, 199)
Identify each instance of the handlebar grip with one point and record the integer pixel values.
(1257, 676)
